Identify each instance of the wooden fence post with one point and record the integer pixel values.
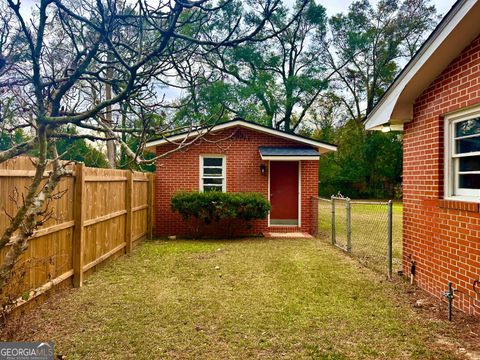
(128, 205)
(151, 193)
(79, 230)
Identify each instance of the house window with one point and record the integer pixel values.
(212, 173)
(462, 172)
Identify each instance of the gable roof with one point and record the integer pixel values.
(322, 147)
(455, 32)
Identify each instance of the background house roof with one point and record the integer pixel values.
(454, 33)
(322, 147)
(288, 153)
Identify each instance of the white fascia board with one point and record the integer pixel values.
(382, 113)
(289, 158)
(321, 146)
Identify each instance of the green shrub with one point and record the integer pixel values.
(210, 207)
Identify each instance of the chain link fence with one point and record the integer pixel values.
(370, 231)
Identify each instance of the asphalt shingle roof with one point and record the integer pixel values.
(287, 151)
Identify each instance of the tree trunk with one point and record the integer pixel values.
(123, 155)
(27, 218)
(108, 120)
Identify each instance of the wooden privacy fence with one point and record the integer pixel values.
(101, 214)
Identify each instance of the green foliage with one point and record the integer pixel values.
(283, 81)
(125, 161)
(366, 165)
(207, 105)
(70, 148)
(368, 42)
(273, 82)
(213, 206)
(9, 140)
(81, 151)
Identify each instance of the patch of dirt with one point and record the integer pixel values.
(24, 323)
(464, 330)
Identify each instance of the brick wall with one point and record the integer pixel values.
(441, 236)
(180, 172)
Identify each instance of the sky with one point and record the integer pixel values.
(335, 6)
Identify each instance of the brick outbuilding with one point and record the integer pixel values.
(436, 102)
(239, 156)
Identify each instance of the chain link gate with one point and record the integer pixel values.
(364, 229)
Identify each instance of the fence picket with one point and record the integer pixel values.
(101, 212)
(151, 193)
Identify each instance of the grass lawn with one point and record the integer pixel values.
(369, 231)
(251, 298)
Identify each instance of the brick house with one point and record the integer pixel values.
(436, 102)
(240, 156)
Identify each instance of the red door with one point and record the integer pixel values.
(284, 192)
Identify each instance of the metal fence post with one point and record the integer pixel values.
(333, 220)
(349, 228)
(390, 239)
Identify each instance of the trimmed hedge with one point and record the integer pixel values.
(213, 206)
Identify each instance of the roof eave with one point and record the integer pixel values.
(322, 147)
(455, 32)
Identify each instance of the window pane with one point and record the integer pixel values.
(468, 145)
(212, 188)
(213, 181)
(470, 181)
(470, 163)
(212, 161)
(212, 171)
(468, 127)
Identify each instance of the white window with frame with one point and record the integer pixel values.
(213, 173)
(462, 155)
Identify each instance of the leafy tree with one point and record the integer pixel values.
(383, 155)
(373, 41)
(57, 67)
(79, 150)
(274, 82)
(368, 45)
(325, 115)
(363, 166)
(8, 140)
